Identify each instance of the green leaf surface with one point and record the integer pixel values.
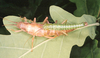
(13, 45)
(75, 37)
(60, 47)
(90, 7)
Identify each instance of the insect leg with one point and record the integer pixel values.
(46, 20)
(34, 20)
(64, 33)
(25, 19)
(64, 21)
(32, 42)
(27, 40)
(56, 21)
(50, 37)
(21, 18)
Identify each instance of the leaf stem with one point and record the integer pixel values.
(94, 24)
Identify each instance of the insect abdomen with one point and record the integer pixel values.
(62, 27)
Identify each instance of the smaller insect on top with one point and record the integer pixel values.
(63, 26)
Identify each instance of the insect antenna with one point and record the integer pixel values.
(9, 24)
(10, 20)
(27, 40)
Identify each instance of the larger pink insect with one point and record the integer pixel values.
(45, 29)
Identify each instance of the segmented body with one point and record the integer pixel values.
(62, 26)
(46, 29)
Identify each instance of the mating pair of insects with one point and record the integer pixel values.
(46, 29)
